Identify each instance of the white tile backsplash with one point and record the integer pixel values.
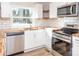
(68, 20)
(60, 22)
(71, 20)
(5, 25)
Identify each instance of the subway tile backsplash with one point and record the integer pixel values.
(68, 20)
(5, 25)
(60, 22)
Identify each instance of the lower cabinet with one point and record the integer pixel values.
(49, 38)
(28, 40)
(75, 47)
(39, 37)
(34, 39)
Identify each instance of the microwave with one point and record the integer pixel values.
(69, 10)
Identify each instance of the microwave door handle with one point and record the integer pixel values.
(71, 10)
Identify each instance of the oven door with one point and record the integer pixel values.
(61, 47)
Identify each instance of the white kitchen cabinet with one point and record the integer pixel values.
(34, 39)
(49, 38)
(5, 9)
(28, 40)
(53, 10)
(37, 11)
(40, 37)
(75, 47)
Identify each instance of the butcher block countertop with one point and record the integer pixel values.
(76, 34)
(3, 31)
(20, 29)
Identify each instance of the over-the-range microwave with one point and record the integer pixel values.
(68, 10)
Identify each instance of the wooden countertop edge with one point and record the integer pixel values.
(3, 35)
(76, 34)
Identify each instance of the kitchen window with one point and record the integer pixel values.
(22, 16)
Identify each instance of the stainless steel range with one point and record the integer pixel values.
(62, 41)
(62, 36)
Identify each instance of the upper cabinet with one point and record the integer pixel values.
(68, 10)
(5, 9)
(45, 11)
(53, 9)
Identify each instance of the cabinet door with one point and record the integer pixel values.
(28, 40)
(34, 39)
(40, 37)
(75, 48)
(5, 9)
(49, 38)
(37, 38)
(53, 10)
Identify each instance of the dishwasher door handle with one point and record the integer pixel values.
(14, 33)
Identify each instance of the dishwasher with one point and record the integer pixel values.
(14, 43)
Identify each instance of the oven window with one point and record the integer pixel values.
(61, 47)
